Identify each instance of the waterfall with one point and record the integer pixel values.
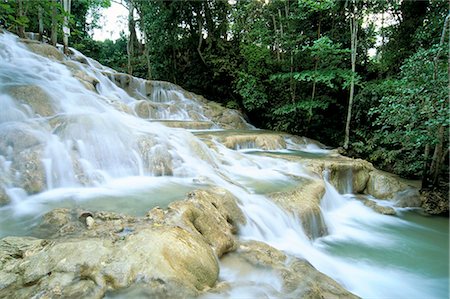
(75, 133)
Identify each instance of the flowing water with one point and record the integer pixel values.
(63, 145)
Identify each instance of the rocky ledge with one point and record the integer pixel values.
(169, 253)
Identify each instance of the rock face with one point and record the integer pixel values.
(90, 253)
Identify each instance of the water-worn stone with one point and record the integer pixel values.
(384, 185)
(260, 141)
(16, 138)
(34, 96)
(214, 214)
(88, 253)
(32, 176)
(304, 201)
(299, 279)
(45, 50)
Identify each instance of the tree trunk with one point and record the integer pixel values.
(425, 175)
(66, 29)
(435, 168)
(41, 22)
(276, 43)
(131, 37)
(354, 45)
(54, 35)
(20, 28)
(147, 56)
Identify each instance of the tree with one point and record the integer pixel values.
(355, 18)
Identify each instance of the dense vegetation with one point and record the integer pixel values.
(291, 65)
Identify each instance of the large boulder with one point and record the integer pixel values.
(383, 185)
(83, 253)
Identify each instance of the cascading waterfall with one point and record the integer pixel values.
(85, 150)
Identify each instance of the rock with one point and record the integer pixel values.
(298, 278)
(18, 137)
(212, 213)
(383, 185)
(376, 207)
(90, 222)
(169, 255)
(260, 141)
(32, 176)
(435, 202)
(89, 253)
(45, 50)
(35, 97)
(409, 197)
(189, 125)
(4, 198)
(304, 201)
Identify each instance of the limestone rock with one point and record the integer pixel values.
(214, 214)
(34, 96)
(28, 163)
(16, 138)
(4, 198)
(299, 279)
(304, 201)
(376, 207)
(384, 185)
(45, 50)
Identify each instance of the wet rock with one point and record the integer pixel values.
(409, 197)
(298, 278)
(16, 138)
(384, 185)
(375, 206)
(35, 97)
(90, 266)
(212, 213)
(45, 50)
(260, 141)
(189, 125)
(28, 164)
(304, 201)
(145, 109)
(4, 198)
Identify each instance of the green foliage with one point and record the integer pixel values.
(408, 115)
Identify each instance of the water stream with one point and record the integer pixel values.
(95, 156)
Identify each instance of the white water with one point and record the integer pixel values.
(95, 156)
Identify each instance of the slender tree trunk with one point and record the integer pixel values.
(425, 174)
(276, 42)
(281, 35)
(54, 35)
(200, 39)
(66, 29)
(147, 56)
(21, 28)
(354, 45)
(41, 22)
(132, 42)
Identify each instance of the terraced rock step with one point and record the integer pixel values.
(185, 124)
